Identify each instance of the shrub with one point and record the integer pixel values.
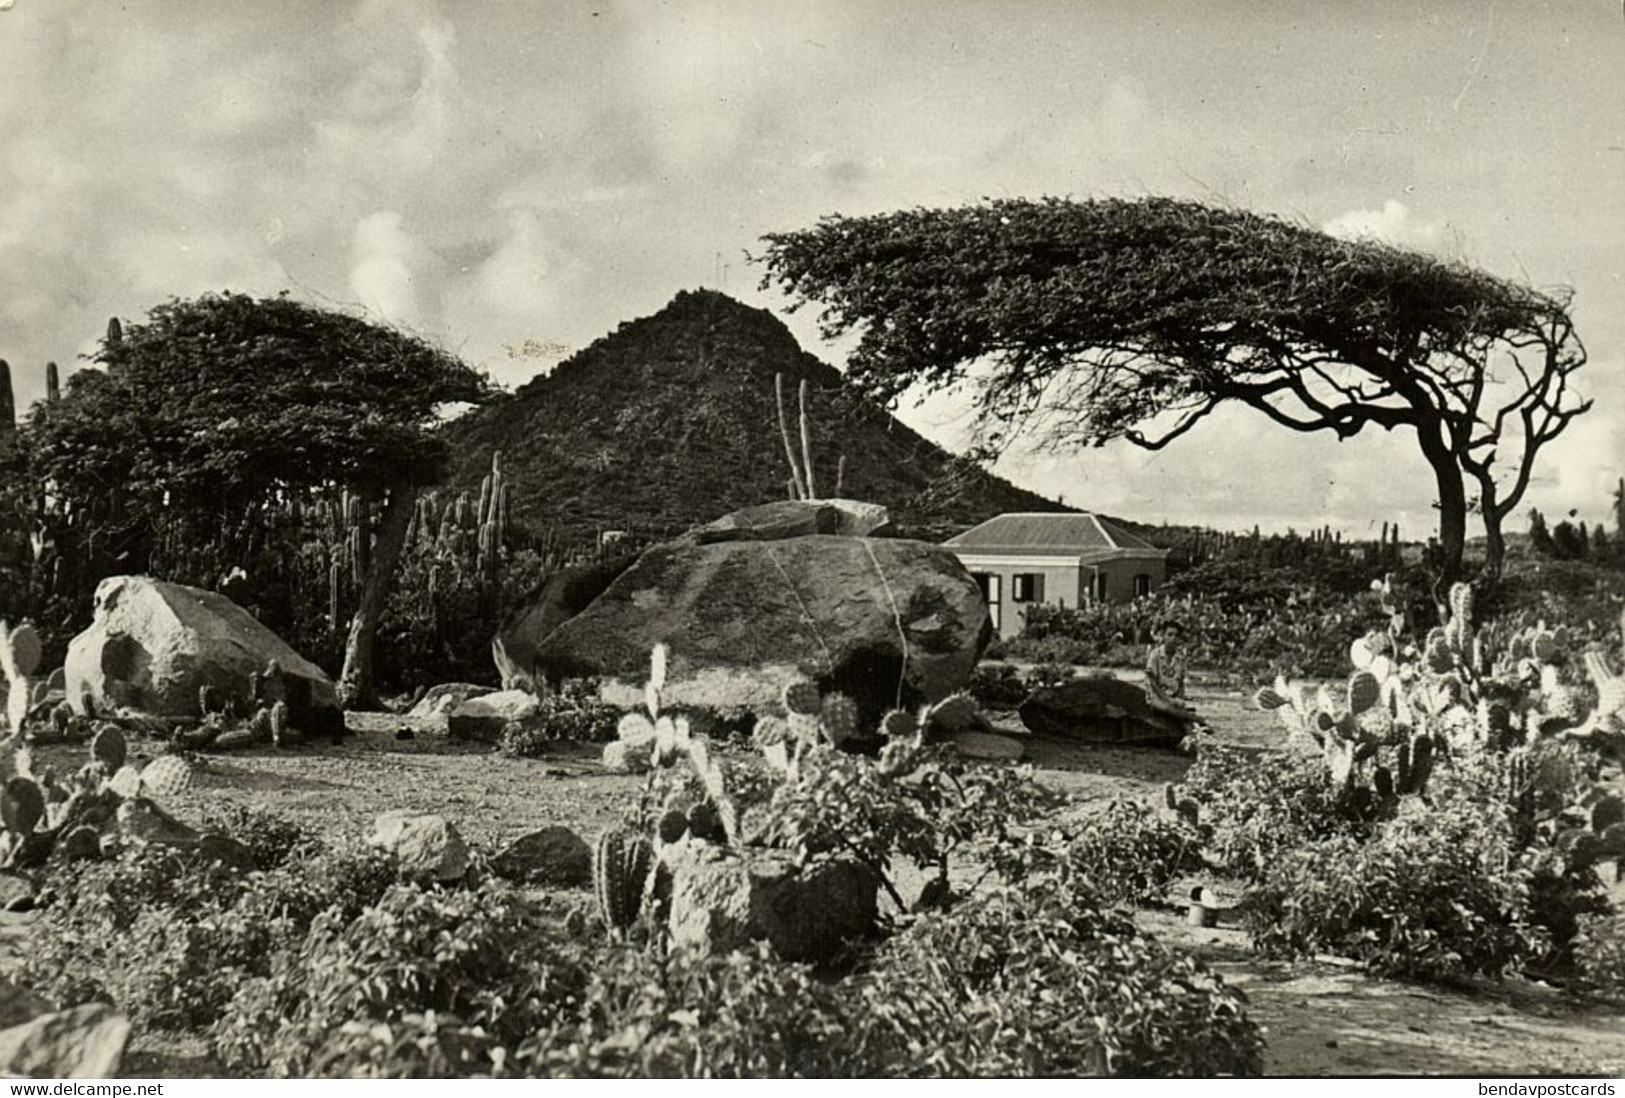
(1035, 979)
(482, 959)
(1128, 853)
(997, 686)
(572, 713)
(1257, 806)
(169, 940)
(270, 838)
(1436, 892)
(1599, 955)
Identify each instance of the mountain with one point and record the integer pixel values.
(670, 421)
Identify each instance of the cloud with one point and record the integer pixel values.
(381, 276)
(1392, 224)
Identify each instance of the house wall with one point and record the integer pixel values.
(1065, 581)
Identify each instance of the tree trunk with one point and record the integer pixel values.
(1452, 506)
(1495, 547)
(356, 687)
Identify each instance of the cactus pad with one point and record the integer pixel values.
(1268, 697)
(1364, 691)
(127, 782)
(109, 748)
(899, 723)
(954, 713)
(166, 776)
(22, 805)
(25, 649)
(803, 698)
(769, 730)
(673, 826)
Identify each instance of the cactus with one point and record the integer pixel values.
(620, 868)
(803, 698)
(209, 700)
(19, 658)
(673, 825)
(899, 724)
(1364, 691)
(166, 776)
(839, 718)
(1267, 697)
(955, 713)
(22, 805)
(281, 733)
(260, 726)
(109, 748)
(53, 383)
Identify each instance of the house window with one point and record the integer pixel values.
(990, 584)
(1142, 584)
(1027, 587)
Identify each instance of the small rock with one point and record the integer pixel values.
(85, 1042)
(214, 846)
(425, 845)
(437, 701)
(554, 856)
(986, 745)
(16, 892)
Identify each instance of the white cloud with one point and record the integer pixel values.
(1392, 224)
(381, 276)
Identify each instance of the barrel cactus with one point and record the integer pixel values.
(620, 869)
(166, 776)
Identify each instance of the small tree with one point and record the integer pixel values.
(214, 406)
(1092, 321)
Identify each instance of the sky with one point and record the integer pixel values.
(515, 179)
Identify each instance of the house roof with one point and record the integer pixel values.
(1053, 534)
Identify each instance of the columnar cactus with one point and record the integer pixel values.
(620, 868)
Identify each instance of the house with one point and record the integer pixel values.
(1063, 559)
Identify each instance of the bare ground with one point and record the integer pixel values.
(1321, 1018)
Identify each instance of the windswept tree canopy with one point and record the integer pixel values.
(226, 396)
(1099, 320)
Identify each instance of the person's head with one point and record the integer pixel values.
(1171, 633)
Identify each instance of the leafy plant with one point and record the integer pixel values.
(1128, 853)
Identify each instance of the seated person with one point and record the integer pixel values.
(1165, 670)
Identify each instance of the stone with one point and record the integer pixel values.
(485, 717)
(1102, 710)
(425, 846)
(792, 518)
(873, 618)
(439, 700)
(151, 645)
(722, 900)
(19, 1005)
(560, 597)
(553, 856)
(16, 892)
(985, 745)
(84, 1042)
(222, 849)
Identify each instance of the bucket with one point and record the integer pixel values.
(1203, 910)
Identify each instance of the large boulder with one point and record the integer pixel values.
(152, 645)
(722, 900)
(882, 620)
(483, 718)
(792, 518)
(553, 856)
(560, 597)
(83, 1042)
(1102, 710)
(439, 700)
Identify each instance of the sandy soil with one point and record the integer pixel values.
(1322, 1018)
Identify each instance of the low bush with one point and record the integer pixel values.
(1599, 955)
(484, 960)
(1436, 892)
(998, 686)
(1255, 807)
(169, 939)
(1130, 854)
(572, 713)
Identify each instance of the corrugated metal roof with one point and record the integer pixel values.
(1033, 532)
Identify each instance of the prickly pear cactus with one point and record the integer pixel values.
(899, 724)
(109, 748)
(802, 698)
(620, 868)
(22, 805)
(839, 717)
(167, 776)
